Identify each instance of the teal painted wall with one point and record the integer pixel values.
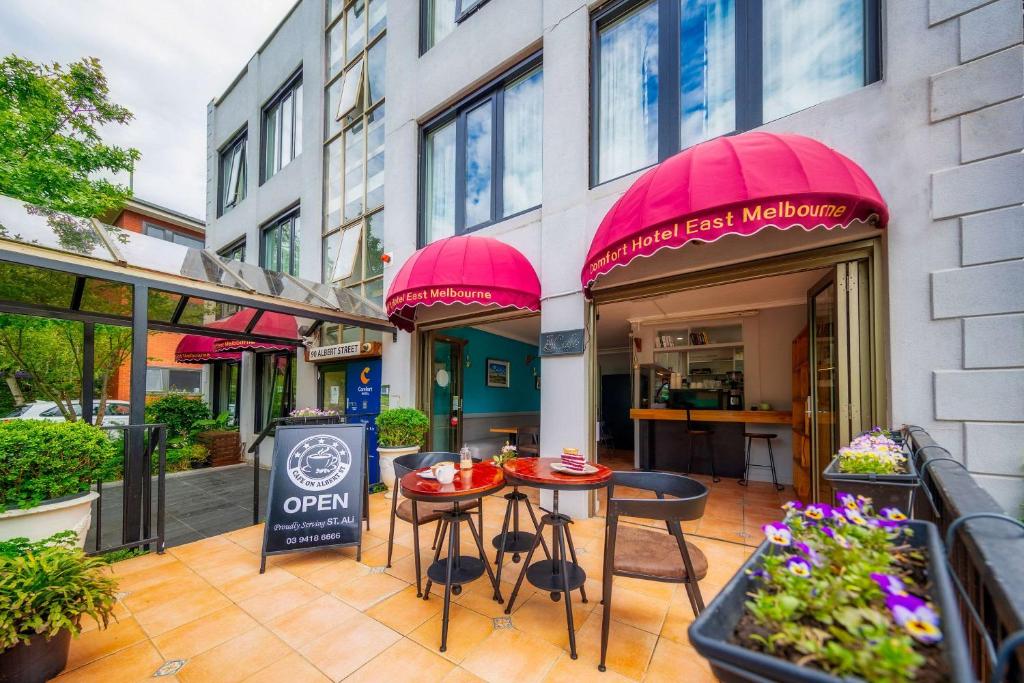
(522, 395)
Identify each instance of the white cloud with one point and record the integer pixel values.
(164, 60)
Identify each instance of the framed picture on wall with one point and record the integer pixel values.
(497, 373)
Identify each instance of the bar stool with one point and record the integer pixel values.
(515, 541)
(704, 433)
(771, 458)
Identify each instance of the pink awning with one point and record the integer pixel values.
(270, 324)
(199, 349)
(462, 270)
(735, 185)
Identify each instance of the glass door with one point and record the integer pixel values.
(445, 394)
(824, 390)
(332, 388)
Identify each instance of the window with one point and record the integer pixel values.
(163, 380)
(234, 251)
(439, 17)
(168, 235)
(352, 257)
(282, 127)
(669, 74)
(482, 159)
(232, 175)
(279, 247)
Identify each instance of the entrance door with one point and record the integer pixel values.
(332, 388)
(840, 406)
(801, 416)
(445, 394)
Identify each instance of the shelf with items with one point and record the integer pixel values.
(699, 336)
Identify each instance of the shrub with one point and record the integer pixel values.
(46, 587)
(398, 427)
(183, 458)
(179, 413)
(221, 423)
(40, 460)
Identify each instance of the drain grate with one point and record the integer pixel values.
(377, 570)
(502, 623)
(169, 668)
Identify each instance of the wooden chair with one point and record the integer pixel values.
(644, 552)
(528, 441)
(419, 514)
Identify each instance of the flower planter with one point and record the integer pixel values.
(224, 447)
(37, 661)
(885, 490)
(72, 512)
(387, 464)
(711, 633)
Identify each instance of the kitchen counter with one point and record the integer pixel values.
(780, 417)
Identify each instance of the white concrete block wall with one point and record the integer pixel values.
(984, 394)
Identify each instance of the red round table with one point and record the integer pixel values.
(482, 480)
(556, 575)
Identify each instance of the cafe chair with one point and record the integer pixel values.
(528, 441)
(702, 432)
(419, 514)
(642, 552)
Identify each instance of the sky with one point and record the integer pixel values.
(164, 60)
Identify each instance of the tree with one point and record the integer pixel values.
(51, 152)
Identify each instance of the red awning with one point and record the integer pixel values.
(199, 349)
(736, 185)
(270, 324)
(462, 270)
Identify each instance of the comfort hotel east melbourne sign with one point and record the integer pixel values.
(441, 294)
(317, 487)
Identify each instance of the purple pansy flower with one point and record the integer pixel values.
(915, 617)
(792, 505)
(837, 516)
(856, 517)
(818, 511)
(810, 553)
(890, 584)
(837, 537)
(777, 533)
(757, 573)
(798, 566)
(847, 500)
(892, 514)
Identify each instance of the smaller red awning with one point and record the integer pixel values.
(199, 349)
(270, 324)
(462, 270)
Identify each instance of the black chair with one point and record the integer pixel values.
(419, 514)
(528, 441)
(643, 552)
(771, 458)
(700, 431)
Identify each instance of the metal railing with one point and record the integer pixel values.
(986, 557)
(137, 520)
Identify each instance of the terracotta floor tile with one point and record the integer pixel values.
(403, 661)
(304, 565)
(366, 591)
(191, 551)
(512, 656)
(405, 568)
(130, 665)
(331, 576)
(142, 562)
(227, 566)
(629, 648)
(152, 577)
(343, 649)
(204, 633)
(294, 669)
(655, 589)
(120, 612)
(181, 610)
(162, 593)
(674, 662)
(235, 659)
(298, 626)
(254, 583)
(285, 597)
(569, 670)
(403, 611)
(636, 609)
(460, 675)
(92, 645)
(466, 630)
(540, 616)
(378, 557)
(250, 538)
(678, 619)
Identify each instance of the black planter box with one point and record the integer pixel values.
(885, 490)
(711, 632)
(37, 661)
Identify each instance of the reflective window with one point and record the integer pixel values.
(335, 48)
(232, 176)
(375, 159)
(282, 128)
(376, 57)
(355, 29)
(378, 17)
(332, 184)
(479, 164)
(441, 16)
(439, 194)
(279, 248)
(354, 155)
(233, 252)
(168, 235)
(523, 143)
(707, 70)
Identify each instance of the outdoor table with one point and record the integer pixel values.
(557, 575)
(482, 480)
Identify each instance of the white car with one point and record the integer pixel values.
(116, 412)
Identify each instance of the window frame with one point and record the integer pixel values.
(460, 16)
(749, 70)
(493, 90)
(289, 214)
(235, 245)
(240, 136)
(288, 87)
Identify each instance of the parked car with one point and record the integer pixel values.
(116, 412)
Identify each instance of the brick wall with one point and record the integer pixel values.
(159, 354)
(984, 95)
(132, 221)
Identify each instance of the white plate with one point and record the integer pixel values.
(426, 474)
(559, 467)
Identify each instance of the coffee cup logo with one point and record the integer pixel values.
(318, 462)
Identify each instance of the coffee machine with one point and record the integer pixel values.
(734, 393)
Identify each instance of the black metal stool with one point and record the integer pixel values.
(771, 458)
(703, 432)
(515, 541)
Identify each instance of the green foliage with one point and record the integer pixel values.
(221, 423)
(47, 587)
(398, 427)
(179, 413)
(40, 460)
(187, 457)
(115, 556)
(51, 150)
(15, 547)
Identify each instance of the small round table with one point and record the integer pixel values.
(557, 575)
(482, 480)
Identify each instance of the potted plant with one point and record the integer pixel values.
(46, 469)
(875, 466)
(220, 438)
(45, 589)
(838, 593)
(400, 431)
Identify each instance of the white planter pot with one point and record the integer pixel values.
(387, 464)
(45, 520)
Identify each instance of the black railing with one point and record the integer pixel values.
(137, 513)
(986, 553)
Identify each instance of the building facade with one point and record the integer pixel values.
(526, 121)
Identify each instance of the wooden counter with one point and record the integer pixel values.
(773, 417)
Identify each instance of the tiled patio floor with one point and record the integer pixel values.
(322, 616)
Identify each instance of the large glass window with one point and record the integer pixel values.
(234, 251)
(439, 18)
(282, 127)
(669, 74)
(482, 159)
(279, 248)
(168, 235)
(232, 175)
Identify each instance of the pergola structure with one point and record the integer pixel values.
(60, 266)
